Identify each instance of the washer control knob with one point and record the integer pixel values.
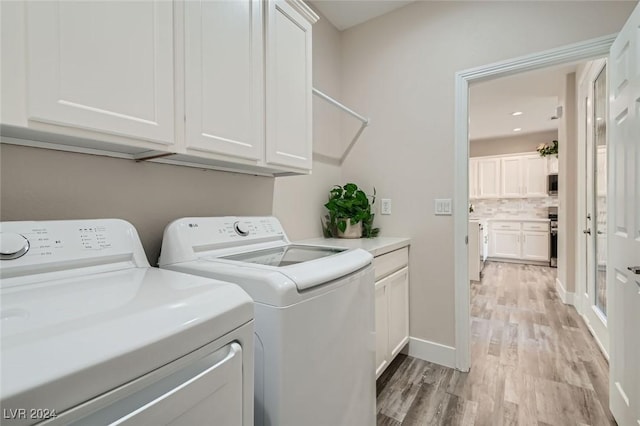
(241, 229)
(12, 246)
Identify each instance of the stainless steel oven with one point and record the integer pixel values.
(552, 184)
(553, 236)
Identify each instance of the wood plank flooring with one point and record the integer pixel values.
(533, 362)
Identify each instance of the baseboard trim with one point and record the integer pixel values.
(566, 296)
(431, 351)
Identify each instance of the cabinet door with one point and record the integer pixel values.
(552, 163)
(535, 245)
(223, 77)
(534, 176)
(382, 328)
(398, 299)
(102, 66)
(288, 67)
(511, 177)
(489, 178)
(473, 178)
(505, 243)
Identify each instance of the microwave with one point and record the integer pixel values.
(552, 184)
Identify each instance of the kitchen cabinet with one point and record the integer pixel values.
(222, 85)
(100, 72)
(519, 240)
(552, 164)
(488, 178)
(524, 176)
(392, 306)
(473, 178)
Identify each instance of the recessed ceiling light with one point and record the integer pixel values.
(517, 129)
(516, 113)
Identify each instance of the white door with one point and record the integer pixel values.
(534, 176)
(592, 300)
(102, 66)
(224, 90)
(511, 177)
(288, 67)
(398, 299)
(489, 178)
(624, 223)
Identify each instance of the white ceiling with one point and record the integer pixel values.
(344, 14)
(536, 94)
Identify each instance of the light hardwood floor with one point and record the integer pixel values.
(533, 362)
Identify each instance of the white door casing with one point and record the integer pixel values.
(580, 51)
(623, 207)
(102, 66)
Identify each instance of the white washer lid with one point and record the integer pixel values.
(67, 341)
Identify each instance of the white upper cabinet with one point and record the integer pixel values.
(473, 178)
(216, 84)
(488, 178)
(289, 84)
(534, 176)
(511, 177)
(101, 66)
(224, 91)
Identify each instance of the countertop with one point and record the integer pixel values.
(376, 246)
(510, 219)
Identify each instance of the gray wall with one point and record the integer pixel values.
(511, 144)
(400, 69)
(42, 184)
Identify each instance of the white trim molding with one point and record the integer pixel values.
(431, 352)
(567, 297)
(582, 51)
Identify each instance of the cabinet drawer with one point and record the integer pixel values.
(535, 226)
(390, 262)
(511, 226)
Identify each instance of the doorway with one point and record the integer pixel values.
(574, 53)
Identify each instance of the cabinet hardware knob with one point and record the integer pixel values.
(587, 231)
(634, 269)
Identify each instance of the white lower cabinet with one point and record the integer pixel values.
(392, 306)
(519, 240)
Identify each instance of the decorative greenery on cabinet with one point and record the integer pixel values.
(546, 149)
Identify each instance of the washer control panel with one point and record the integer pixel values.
(40, 243)
(241, 229)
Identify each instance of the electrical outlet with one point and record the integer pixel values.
(385, 206)
(442, 207)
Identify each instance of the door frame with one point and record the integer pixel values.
(582, 51)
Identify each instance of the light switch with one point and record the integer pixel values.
(385, 206)
(443, 207)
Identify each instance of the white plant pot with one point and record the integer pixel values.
(352, 231)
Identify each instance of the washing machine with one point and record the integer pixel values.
(91, 335)
(314, 315)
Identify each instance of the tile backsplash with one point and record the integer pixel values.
(513, 208)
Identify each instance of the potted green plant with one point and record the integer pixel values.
(350, 213)
(545, 149)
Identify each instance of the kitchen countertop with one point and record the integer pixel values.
(511, 219)
(376, 246)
